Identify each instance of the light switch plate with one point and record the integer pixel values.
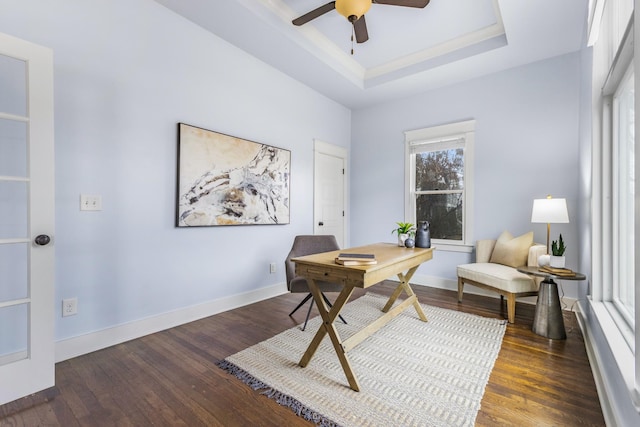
(90, 202)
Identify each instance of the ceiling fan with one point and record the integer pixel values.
(354, 11)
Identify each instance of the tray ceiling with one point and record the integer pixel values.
(409, 50)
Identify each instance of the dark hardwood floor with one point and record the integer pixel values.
(170, 378)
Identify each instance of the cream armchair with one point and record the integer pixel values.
(487, 273)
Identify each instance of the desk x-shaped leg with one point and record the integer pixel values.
(329, 316)
(404, 286)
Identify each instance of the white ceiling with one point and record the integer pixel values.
(409, 50)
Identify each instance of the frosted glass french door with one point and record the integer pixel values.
(26, 219)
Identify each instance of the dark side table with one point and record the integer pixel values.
(548, 320)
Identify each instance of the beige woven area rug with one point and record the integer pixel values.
(411, 373)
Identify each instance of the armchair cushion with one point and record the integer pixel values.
(499, 276)
(512, 251)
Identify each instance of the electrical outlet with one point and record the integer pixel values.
(69, 307)
(89, 202)
(272, 267)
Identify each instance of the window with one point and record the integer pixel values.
(623, 198)
(439, 190)
(618, 180)
(614, 237)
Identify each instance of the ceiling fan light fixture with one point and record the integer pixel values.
(349, 8)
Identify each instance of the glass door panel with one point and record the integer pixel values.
(14, 206)
(13, 270)
(14, 329)
(13, 148)
(13, 86)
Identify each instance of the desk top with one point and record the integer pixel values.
(392, 259)
(536, 272)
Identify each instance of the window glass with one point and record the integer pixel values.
(439, 159)
(440, 170)
(444, 213)
(624, 157)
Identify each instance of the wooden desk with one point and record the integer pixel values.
(392, 260)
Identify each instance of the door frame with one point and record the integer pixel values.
(342, 153)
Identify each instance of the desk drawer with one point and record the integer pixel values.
(337, 275)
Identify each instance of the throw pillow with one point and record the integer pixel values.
(512, 251)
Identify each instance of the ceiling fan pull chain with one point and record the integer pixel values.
(352, 34)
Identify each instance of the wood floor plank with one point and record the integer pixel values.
(171, 378)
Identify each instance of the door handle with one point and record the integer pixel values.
(320, 223)
(42, 240)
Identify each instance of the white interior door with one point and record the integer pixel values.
(26, 219)
(330, 191)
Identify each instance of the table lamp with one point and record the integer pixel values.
(549, 211)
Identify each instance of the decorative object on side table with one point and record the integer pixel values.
(423, 235)
(557, 250)
(404, 231)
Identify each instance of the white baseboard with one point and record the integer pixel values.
(87, 343)
(83, 344)
(615, 377)
(452, 285)
(596, 369)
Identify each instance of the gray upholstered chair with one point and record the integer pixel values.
(309, 245)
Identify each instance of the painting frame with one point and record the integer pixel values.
(224, 180)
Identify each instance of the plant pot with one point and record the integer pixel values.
(556, 261)
(401, 239)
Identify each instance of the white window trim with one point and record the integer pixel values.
(622, 64)
(465, 130)
(602, 224)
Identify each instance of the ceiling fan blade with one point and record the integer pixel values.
(360, 28)
(406, 3)
(314, 13)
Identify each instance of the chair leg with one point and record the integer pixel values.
(311, 306)
(330, 305)
(308, 313)
(301, 303)
(460, 288)
(511, 308)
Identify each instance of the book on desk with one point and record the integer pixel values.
(356, 259)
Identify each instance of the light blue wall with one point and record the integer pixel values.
(526, 146)
(126, 71)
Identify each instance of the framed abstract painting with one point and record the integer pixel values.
(224, 180)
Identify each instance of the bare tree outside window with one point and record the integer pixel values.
(439, 192)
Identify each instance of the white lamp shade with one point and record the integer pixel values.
(550, 211)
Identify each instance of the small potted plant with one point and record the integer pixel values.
(404, 230)
(557, 259)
